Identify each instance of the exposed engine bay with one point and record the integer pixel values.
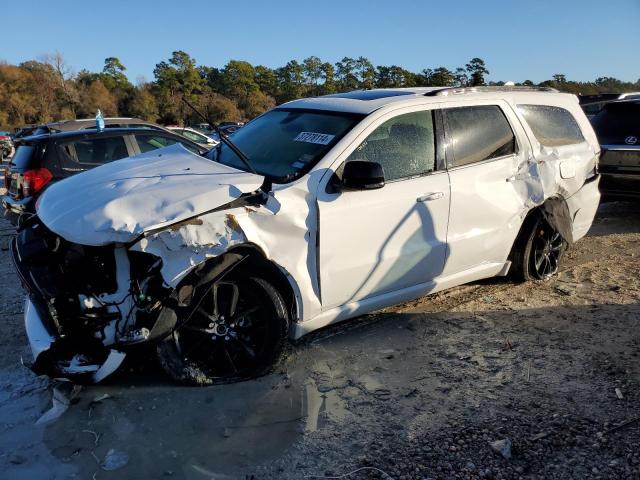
(91, 300)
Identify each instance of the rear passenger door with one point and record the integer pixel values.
(89, 152)
(485, 145)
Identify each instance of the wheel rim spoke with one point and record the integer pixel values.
(246, 347)
(228, 306)
(230, 360)
(241, 316)
(547, 248)
(176, 340)
(194, 328)
(201, 311)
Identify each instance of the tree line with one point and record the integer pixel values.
(45, 90)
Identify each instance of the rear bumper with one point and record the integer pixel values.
(620, 169)
(583, 206)
(13, 208)
(620, 185)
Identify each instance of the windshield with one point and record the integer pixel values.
(284, 144)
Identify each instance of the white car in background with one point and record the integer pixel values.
(321, 210)
(195, 136)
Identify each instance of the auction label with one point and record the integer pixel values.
(312, 137)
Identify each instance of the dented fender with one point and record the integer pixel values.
(281, 233)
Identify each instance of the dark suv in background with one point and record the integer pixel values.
(618, 129)
(43, 159)
(593, 104)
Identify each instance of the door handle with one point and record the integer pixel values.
(430, 196)
(512, 178)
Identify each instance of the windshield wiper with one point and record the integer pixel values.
(223, 138)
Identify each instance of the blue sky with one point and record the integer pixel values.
(518, 39)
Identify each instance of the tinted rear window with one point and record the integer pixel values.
(478, 133)
(148, 143)
(96, 151)
(617, 121)
(552, 126)
(26, 156)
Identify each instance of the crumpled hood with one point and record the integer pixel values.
(119, 201)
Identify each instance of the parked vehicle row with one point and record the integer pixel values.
(202, 134)
(195, 136)
(40, 160)
(618, 128)
(7, 148)
(227, 128)
(592, 104)
(317, 211)
(85, 124)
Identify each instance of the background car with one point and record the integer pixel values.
(195, 136)
(84, 124)
(230, 128)
(7, 148)
(592, 104)
(43, 159)
(227, 128)
(618, 129)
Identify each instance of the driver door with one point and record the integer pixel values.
(378, 241)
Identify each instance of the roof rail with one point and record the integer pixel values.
(443, 92)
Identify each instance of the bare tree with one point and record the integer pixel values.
(64, 77)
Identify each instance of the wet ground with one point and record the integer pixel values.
(417, 391)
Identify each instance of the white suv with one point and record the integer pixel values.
(321, 210)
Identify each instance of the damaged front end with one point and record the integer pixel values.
(86, 304)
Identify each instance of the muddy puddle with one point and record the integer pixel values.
(132, 428)
(142, 426)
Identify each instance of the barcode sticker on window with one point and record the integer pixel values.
(312, 137)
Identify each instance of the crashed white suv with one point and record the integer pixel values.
(357, 201)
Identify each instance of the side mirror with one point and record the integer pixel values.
(362, 175)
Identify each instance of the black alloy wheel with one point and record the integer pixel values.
(548, 247)
(238, 331)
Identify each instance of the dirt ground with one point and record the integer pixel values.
(488, 380)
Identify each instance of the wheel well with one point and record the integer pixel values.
(555, 211)
(530, 219)
(257, 263)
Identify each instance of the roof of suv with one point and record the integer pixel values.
(92, 132)
(68, 125)
(367, 101)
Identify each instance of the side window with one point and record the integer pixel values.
(142, 126)
(478, 133)
(552, 126)
(153, 142)
(96, 151)
(404, 146)
(192, 136)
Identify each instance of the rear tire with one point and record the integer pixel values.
(238, 332)
(538, 250)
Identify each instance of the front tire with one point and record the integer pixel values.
(238, 331)
(538, 251)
